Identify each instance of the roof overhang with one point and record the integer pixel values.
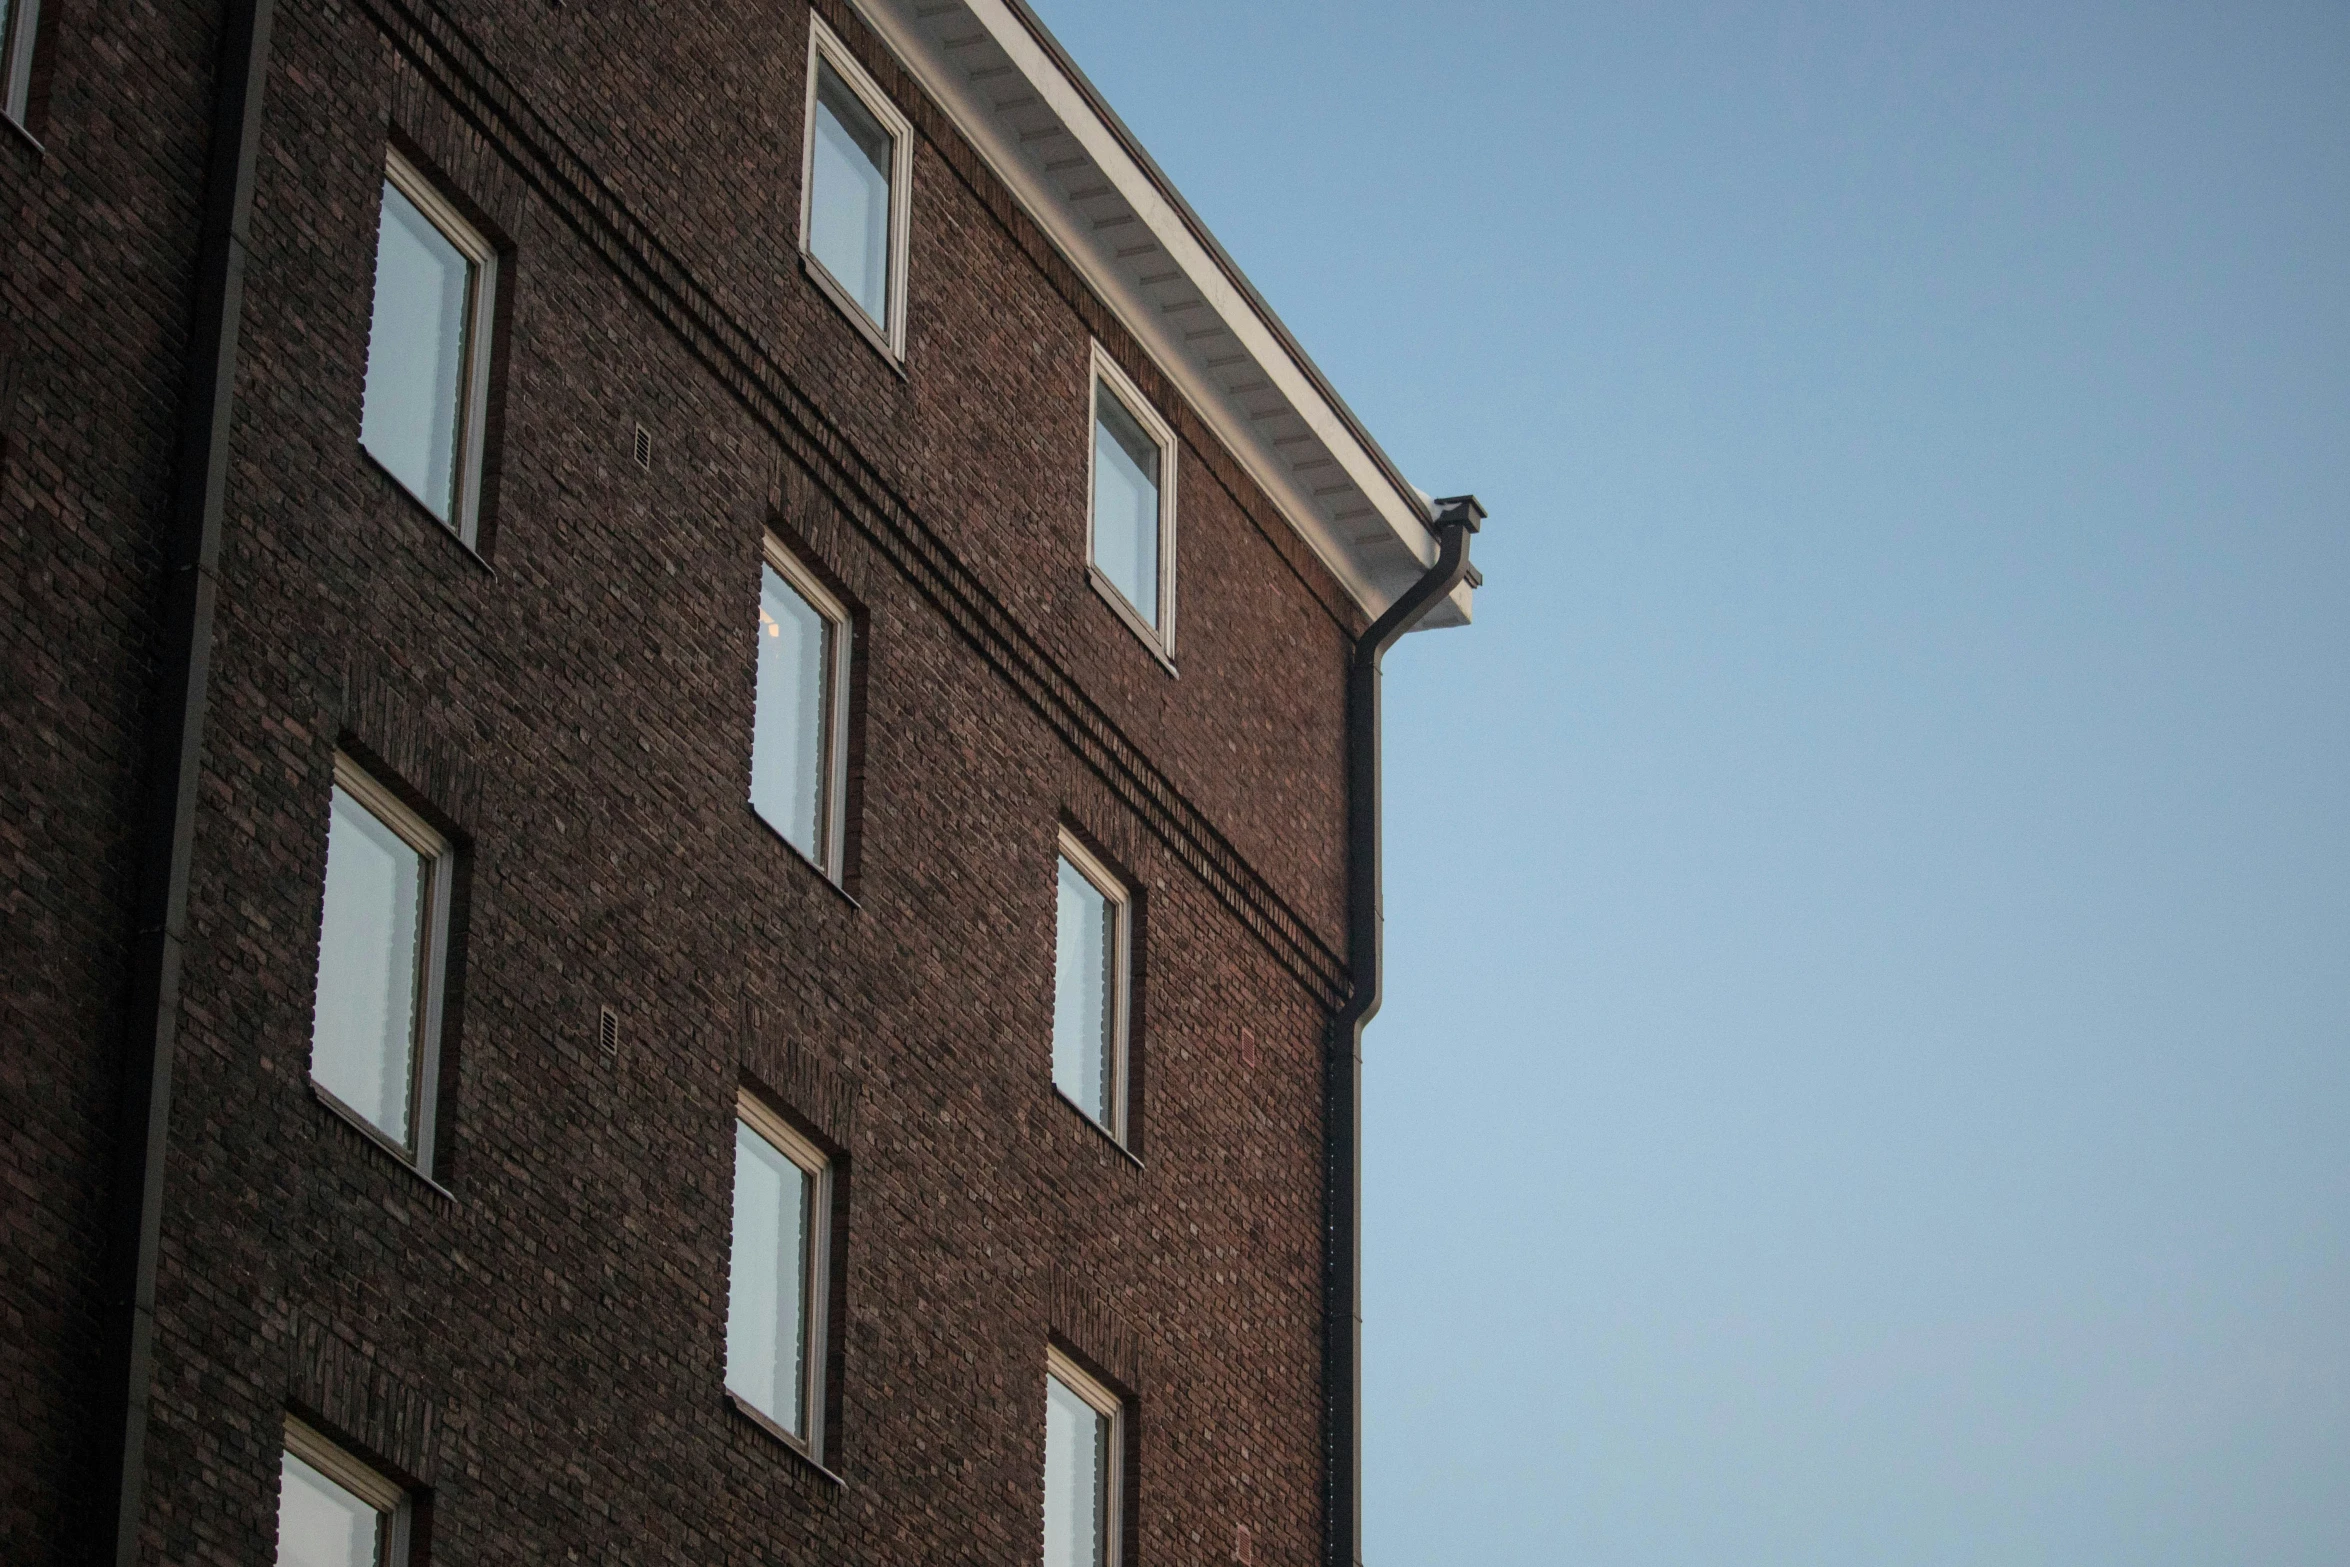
(1019, 99)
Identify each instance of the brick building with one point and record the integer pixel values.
(689, 820)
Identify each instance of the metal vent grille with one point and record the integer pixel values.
(1244, 1549)
(608, 1030)
(644, 448)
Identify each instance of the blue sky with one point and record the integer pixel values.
(1866, 1072)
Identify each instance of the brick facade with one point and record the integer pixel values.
(536, 1342)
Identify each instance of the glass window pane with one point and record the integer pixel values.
(319, 1524)
(1126, 504)
(1084, 1014)
(767, 1295)
(848, 201)
(416, 353)
(1076, 1477)
(363, 1035)
(790, 740)
(18, 22)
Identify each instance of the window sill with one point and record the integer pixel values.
(24, 137)
(782, 1439)
(1143, 631)
(417, 504)
(839, 298)
(1099, 1130)
(377, 1140)
(799, 854)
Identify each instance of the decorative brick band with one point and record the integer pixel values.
(332, 1381)
(443, 54)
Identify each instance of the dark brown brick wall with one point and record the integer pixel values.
(539, 1342)
(95, 239)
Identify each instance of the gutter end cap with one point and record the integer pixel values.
(1464, 509)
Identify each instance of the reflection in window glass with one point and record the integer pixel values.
(370, 969)
(319, 1524)
(1084, 999)
(791, 761)
(417, 369)
(767, 1295)
(1076, 1478)
(20, 20)
(1126, 504)
(848, 203)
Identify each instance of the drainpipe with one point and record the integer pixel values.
(1342, 1075)
(166, 828)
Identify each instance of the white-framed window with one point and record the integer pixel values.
(778, 1276)
(1083, 1455)
(428, 348)
(382, 955)
(1130, 505)
(800, 723)
(1092, 985)
(20, 27)
(856, 191)
(334, 1511)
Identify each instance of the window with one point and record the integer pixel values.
(854, 191)
(1081, 1462)
(20, 29)
(428, 350)
(800, 726)
(1090, 988)
(1130, 538)
(775, 1293)
(333, 1511)
(374, 1036)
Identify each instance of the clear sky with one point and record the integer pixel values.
(1866, 1071)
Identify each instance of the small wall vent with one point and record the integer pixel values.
(608, 1030)
(1244, 1549)
(644, 448)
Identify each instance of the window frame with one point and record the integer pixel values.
(473, 403)
(1090, 1390)
(1106, 375)
(17, 51)
(752, 1111)
(833, 840)
(390, 1499)
(1120, 897)
(438, 855)
(826, 48)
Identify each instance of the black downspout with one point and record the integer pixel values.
(1342, 1079)
(166, 828)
